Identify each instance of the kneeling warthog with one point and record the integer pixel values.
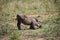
(32, 22)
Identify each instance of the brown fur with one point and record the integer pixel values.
(21, 18)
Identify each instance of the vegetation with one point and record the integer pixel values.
(50, 16)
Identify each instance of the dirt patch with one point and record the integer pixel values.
(5, 37)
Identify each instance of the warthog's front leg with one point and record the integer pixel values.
(32, 26)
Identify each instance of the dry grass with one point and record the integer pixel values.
(32, 8)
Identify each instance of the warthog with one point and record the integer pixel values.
(21, 18)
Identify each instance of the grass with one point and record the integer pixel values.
(10, 8)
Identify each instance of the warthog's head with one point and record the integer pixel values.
(38, 23)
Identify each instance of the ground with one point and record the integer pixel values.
(47, 10)
(26, 34)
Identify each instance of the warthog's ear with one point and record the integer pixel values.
(38, 16)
